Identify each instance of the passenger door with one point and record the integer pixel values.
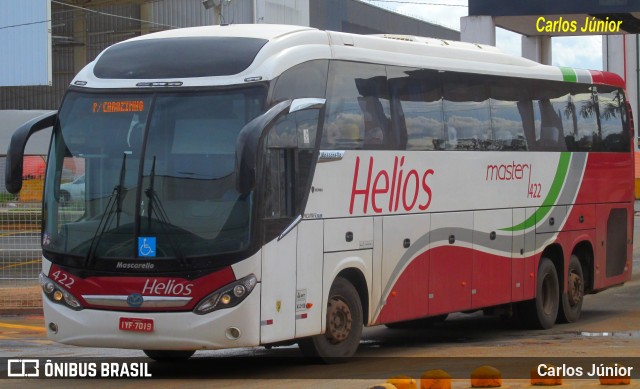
(288, 167)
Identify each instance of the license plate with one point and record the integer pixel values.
(136, 324)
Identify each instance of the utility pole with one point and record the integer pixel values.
(216, 5)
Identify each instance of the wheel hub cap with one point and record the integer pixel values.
(575, 289)
(338, 321)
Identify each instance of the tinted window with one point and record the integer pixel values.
(613, 121)
(559, 124)
(178, 57)
(509, 109)
(416, 103)
(308, 79)
(295, 130)
(578, 117)
(435, 110)
(357, 114)
(549, 125)
(466, 112)
(289, 163)
(186, 197)
(586, 121)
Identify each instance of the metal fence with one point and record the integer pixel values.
(20, 253)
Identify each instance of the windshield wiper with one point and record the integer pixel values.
(115, 200)
(117, 191)
(151, 196)
(160, 212)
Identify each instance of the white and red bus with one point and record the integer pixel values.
(254, 185)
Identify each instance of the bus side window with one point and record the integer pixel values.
(565, 119)
(280, 142)
(466, 108)
(611, 104)
(308, 79)
(507, 101)
(526, 111)
(289, 159)
(416, 101)
(551, 129)
(588, 133)
(358, 111)
(278, 188)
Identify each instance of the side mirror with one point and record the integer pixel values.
(251, 134)
(247, 146)
(15, 152)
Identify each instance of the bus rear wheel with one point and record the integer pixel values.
(343, 327)
(541, 312)
(572, 300)
(169, 355)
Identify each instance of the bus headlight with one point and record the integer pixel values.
(228, 296)
(57, 294)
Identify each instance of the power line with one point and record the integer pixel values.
(87, 10)
(24, 24)
(112, 15)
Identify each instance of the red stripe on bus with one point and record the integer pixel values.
(608, 78)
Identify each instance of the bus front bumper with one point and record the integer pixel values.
(171, 330)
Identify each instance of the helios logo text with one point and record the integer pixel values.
(387, 190)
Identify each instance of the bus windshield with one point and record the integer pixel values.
(148, 175)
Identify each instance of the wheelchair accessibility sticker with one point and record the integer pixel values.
(146, 246)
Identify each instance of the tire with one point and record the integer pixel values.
(541, 312)
(343, 328)
(571, 302)
(417, 324)
(169, 355)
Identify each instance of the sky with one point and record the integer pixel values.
(583, 52)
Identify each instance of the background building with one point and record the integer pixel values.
(81, 29)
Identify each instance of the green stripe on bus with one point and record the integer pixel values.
(552, 196)
(569, 74)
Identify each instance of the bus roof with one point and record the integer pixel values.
(286, 46)
(262, 31)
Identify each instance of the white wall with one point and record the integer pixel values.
(283, 12)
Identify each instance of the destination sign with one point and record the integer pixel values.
(118, 106)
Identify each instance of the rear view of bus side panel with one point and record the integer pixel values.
(607, 183)
(492, 261)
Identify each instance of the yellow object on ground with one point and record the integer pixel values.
(486, 377)
(435, 379)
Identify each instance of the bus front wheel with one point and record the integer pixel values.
(343, 327)
(169, 355)
(542, 311)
